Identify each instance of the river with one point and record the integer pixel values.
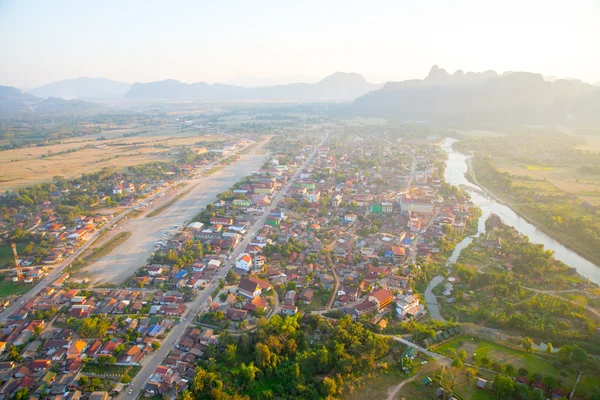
(456, 168)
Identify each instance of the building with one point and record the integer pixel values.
(387, 207)
(288, 309)
(244, 262)
(242, 203)
(313, 196)
(381, 297)
(336, 200)
(416, 205)
(248, 288)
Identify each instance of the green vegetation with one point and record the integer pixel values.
(549, 181)
(281, 359)
(9, 288)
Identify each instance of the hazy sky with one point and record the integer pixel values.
(43, 41)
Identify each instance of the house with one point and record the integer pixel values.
(404, 304)
(313, 196)
(99, 396)
(382, 297)
(248, 288)
(154, 270)
(350, 217)
(256, 304)
(481, 383)
(306, 296)
(244, 262)
(236, 315)
(288, 309)
(39, 365)
(365, 307)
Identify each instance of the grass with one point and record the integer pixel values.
(31, 165)
(9, 288)
(376, 388)
(320, 300)
(107, 247)
(6, 254)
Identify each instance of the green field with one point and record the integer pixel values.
(504, 355)
(6, 254)
(8, 288)
(499, 354)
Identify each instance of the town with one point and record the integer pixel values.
(336, 228)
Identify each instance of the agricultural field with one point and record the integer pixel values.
(553, 180)
(27, 166)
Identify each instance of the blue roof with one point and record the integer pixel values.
(155, 330)
(180, 274)
(407, 241)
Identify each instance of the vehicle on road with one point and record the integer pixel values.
(130, 391)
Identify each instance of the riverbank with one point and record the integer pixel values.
(456, 174)
(472, 177)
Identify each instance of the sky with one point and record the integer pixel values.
(221, 41)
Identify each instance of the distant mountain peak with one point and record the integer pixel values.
(437, 74)
(340, 86)
(83, 88)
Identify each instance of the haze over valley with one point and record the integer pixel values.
(316, 200)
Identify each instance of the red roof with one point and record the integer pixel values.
(381, 295)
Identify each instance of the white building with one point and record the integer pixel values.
(244, 262)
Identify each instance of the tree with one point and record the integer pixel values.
(230, 354)
(550, 381)
(504, 386)
(550, 348)
(523, 372)
(13, 353)
(231, 277)
(83, 380)
(537, 377)
(579, 355)
(126, 379)
(527, 344)
(155, 345)
(22, 394)
(329, 388)
(509, 369)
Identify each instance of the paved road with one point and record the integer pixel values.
(150, 363)
(432, 303)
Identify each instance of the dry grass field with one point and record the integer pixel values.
(27, 166)
(557, 180)
(592, 143)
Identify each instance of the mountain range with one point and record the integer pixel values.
(83, 89)
(337, 87)
(484, 99)
(16, 102)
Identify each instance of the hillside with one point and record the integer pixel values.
(83, 89)
(337, 87)
(15, 102)
(484, 99)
